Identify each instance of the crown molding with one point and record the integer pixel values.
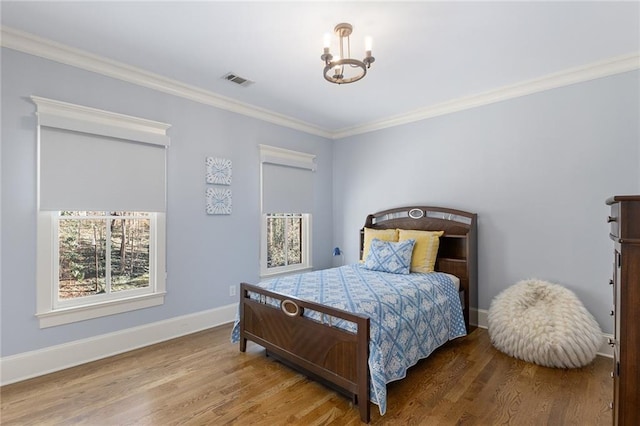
(608, 67)
(37, 46)
(31, 44)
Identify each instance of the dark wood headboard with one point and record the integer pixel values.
(458, 251)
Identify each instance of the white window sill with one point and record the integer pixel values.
(282, 273)
(96, 310)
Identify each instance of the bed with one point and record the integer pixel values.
(356, 329)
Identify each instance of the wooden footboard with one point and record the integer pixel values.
(331, 354)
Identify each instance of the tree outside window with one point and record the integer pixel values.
(284, 239)
(102, 252)
(285, 243)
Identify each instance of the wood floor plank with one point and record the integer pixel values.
(203, 379)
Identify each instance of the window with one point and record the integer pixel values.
(102, 255)
(284, 239)
(101, 213)
(287, 205)
(286, 242)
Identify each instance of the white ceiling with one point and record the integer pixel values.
(427, 53)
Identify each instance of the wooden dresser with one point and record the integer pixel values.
(625, 233)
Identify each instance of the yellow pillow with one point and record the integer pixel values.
(381, 234)
(425, 250)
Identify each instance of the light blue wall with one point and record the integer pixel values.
(206, 254)
(536, 169)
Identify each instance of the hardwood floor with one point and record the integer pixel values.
(202, 379)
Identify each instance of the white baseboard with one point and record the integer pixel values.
(483, 322)
(481, 314)
(31, 364)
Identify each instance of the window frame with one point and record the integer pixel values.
(50, 313)
(108, 295)
(305, 246)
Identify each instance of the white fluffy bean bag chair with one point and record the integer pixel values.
(543, 323)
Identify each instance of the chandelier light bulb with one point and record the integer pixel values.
(337, 69)
(368, 41)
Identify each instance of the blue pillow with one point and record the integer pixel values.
(387, 256)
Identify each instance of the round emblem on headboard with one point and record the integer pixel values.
(416, 213)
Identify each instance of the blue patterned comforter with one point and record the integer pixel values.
(410, 315)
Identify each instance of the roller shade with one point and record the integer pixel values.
(97, 160)
(80, 171)
(287, 181)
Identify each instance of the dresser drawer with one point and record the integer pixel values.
(614, 219)
(625, 210)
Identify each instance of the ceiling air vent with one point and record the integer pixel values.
(234, 78)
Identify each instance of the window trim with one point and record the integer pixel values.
(288, 269)
(50, 316)
(67, 116)
(285, 157)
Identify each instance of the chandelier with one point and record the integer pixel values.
(343, 69)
